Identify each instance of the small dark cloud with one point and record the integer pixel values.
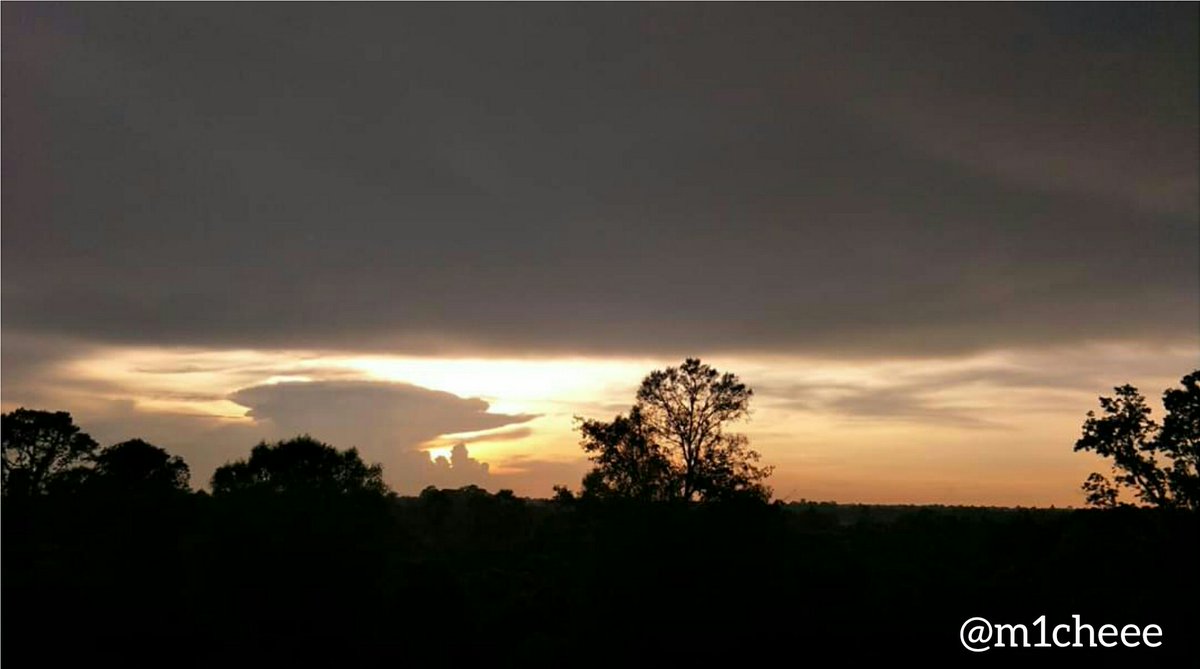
(503, 435)
(920, 398)
(906, 404)
(903, 402)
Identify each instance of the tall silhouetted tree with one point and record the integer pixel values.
(673, 444)
(629, 462)
(1127, 435)
(40, 447)
(301, 465)
(135, 465)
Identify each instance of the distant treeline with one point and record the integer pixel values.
(301, 556)
(323, 576)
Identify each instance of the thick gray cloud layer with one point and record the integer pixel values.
(617, 178)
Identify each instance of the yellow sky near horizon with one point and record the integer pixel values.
(990, 428)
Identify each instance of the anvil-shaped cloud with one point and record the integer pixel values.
(387, 422)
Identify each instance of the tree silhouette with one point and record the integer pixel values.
(135, 465)
(673, 443)
(629, 462)
(300, 465)
(41, 447)
(1134, 442)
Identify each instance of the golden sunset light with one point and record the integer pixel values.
(903, 425)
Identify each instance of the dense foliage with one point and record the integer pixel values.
(1158, 464)
(674, 444)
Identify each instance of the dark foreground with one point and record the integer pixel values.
(465, 578)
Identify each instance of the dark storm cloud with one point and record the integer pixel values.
(374, 415)
(619, 178)
(385, 421)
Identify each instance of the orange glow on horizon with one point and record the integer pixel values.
(995, 427)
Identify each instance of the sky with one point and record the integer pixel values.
(928, 237)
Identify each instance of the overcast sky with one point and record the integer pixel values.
(272, 187)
